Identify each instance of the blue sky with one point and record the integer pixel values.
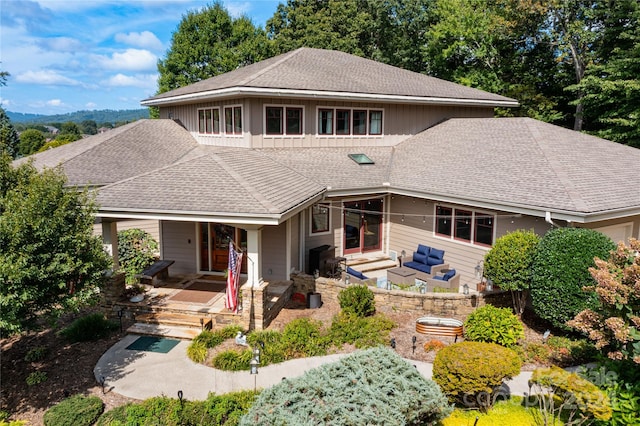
(70, 55)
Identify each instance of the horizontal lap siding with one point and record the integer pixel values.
(179, 243)
(274, 253)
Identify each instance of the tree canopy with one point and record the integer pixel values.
(31, 140)
(50, 261)
(9, 140)
(207, 43)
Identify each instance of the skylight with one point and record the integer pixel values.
(361, 158)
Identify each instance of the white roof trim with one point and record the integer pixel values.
(346, 96)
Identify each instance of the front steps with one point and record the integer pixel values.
(170, 324)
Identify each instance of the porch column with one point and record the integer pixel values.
(110, 241)
(254, 249)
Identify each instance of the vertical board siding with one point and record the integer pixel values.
(179, 243)
(150, 226)
(400, 121)
(274, 253)
(295, 242)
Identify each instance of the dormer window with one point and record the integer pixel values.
(280, 120)
(233, 120)
(347, 122)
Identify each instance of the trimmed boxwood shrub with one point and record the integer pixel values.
(470, 373)
(89, 328)
(358, 300)
(508, 264)
(372, 387)
(137, 249)
(78, 410)
(493, 325)
(561, 269)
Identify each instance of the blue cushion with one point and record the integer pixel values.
(449, 275)
(434, 261)
(439, 277)
(422, 249)
(437, 253)
(356, 274)
(420, 258)
(419, 266)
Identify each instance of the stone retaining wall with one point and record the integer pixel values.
(258, 308)
(454, 305)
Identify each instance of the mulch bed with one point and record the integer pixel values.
(200, 292)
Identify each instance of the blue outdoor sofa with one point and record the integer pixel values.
(428, 261)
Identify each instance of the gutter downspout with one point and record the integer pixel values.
(547, 218)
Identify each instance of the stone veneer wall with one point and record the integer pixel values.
(259, 307)
(453, 305)
(111, 294)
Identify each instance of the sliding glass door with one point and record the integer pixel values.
(362, 226)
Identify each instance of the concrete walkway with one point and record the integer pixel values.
(140, 374)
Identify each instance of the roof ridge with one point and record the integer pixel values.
(285, 57)
(556, 166)
(243, 182)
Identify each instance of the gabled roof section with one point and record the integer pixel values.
(225, 184)
(329, 74)
(120, 153)
(519, 162)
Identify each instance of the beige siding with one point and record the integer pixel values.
(333, 238)
(150, 226)
(618, 229)
(400, 121)
(294, 238)
(274, 253)
(179, 244)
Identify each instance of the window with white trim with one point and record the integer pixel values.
(281, 120)
(233, 120)
(348, 121)
(465, 225)
(320, 218)
(209, 121)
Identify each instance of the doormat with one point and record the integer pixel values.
(200, 292)
(160, 345)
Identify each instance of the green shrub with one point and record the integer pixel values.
(13, 423)
(232, 360)
(36, 354)
(36, 378)
(561, 269)
(569, 395)
(229, 331)
(567, 352)
(77, 410)
(136, 250)
(508, 264)
(358, 300)
(493, 325)
(302, 337)
(470, 373)
(223, 410)
(197, 351)
(372, 387)
(504, 413)
(363, 332)
(270, 344)
(89, 328)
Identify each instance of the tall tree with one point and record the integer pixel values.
(31, 140)
(9, 140)
(3, 78)
(207, 43)
(611, 87)
(50, 261)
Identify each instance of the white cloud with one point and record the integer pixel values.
(91, 105)
(141, 80)
(237, 9)
(130, 60)
(46, 77)
(54, 102)
(5, 102)
(145, 39)
(61, 44)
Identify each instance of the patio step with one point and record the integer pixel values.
(177, 332)
(374, 265)
(173, 319)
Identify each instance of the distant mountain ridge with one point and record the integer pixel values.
(99, 116)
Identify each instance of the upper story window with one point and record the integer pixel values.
(209, 121)
(233, 120)
(320, 218)
(345, 122)
(465, 225)
(281, 120)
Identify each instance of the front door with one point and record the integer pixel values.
(362, 226)
(214, 246)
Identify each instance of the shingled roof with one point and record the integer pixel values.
(511, 164)
(329, 74)
(120, 153)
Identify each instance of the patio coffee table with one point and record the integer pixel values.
(401, 275)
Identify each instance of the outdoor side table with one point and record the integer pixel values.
(401, 275)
